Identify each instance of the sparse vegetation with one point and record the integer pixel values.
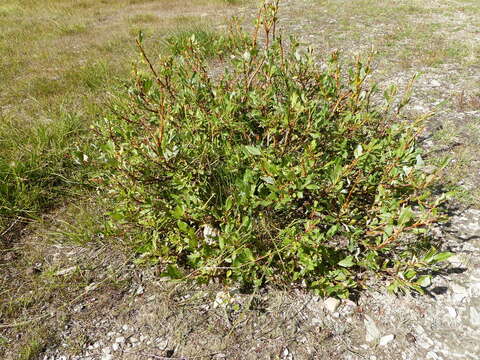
(212, 43)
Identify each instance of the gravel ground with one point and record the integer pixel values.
(223, 324)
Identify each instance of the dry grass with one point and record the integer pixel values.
(68, 52)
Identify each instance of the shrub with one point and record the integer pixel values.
(279, 171)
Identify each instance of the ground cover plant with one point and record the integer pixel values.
(278, 171)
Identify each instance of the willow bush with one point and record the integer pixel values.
(278, 171)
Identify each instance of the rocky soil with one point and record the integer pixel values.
(164, 322)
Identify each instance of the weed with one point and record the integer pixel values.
(32, 349)
(280, 171)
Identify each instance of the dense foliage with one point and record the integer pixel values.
(279, 170)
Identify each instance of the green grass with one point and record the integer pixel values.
(35, 164)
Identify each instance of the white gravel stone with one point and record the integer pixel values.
(451, 311)
(474, 317)
(384, 340)
(458, 289)
(372, 332)
(140, 290)
(120, 340)
(433, 355)
(161, 343)
(331, 304)
(424, 341)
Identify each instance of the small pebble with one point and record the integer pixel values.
(331, 304)
(384, 340)
(372, 332)
(451, 312)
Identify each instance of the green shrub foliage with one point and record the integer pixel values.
(278, 171)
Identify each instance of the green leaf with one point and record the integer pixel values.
(406, 215)
(173, 272)
(182, 226)
(336, 173)
(178, 212)
(253, 150)
(347, 262)
(420, 163)
(228, 204)
(333, 230)
(409, 274)
(429, 256)
(442, 256)
(424, 280)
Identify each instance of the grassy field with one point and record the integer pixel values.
(60, 60)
